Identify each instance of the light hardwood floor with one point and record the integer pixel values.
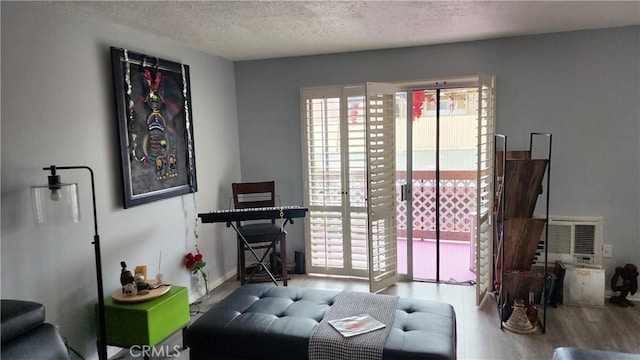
(479, 335)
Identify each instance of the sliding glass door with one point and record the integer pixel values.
(442, 179)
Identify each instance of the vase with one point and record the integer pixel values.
(518, 321)
(206, 283)
(199, 284)
(196, 283)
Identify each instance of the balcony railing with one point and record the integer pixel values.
(457, 204)
(458, 194)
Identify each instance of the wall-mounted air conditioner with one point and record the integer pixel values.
(572, 240)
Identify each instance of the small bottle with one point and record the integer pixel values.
(126, 277)
(532, 310)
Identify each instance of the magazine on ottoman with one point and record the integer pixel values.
(356, 325)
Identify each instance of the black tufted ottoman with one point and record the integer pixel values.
(259, 321)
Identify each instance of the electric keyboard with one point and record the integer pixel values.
(268, 213)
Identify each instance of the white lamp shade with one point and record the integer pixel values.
(56, 206)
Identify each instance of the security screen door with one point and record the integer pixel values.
(444, 170)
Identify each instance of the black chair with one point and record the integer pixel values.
(259, 234)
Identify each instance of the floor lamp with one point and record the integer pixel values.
(58, 203)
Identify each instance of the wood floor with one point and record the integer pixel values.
(479, 335)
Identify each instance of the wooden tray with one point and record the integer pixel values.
(117, 295)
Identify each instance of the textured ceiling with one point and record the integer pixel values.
(245, 30)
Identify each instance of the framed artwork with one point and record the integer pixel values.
(153, 99)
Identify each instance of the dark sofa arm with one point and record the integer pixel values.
(19, 317)
(25, 335)
(41, 343)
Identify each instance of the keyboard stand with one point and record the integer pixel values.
(260, 260)
(285, 214)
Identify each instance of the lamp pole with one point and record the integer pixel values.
(102, 326)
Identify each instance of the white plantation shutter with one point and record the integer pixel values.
(381, 155)
(359, 259)
(335, 180)
(338, 168)
(326, 240)
(486, 151)
(323, 179)
(356, 181)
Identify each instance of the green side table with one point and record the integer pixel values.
(149, 322)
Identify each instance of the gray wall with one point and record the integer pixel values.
(58, 108)
(583, 87)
